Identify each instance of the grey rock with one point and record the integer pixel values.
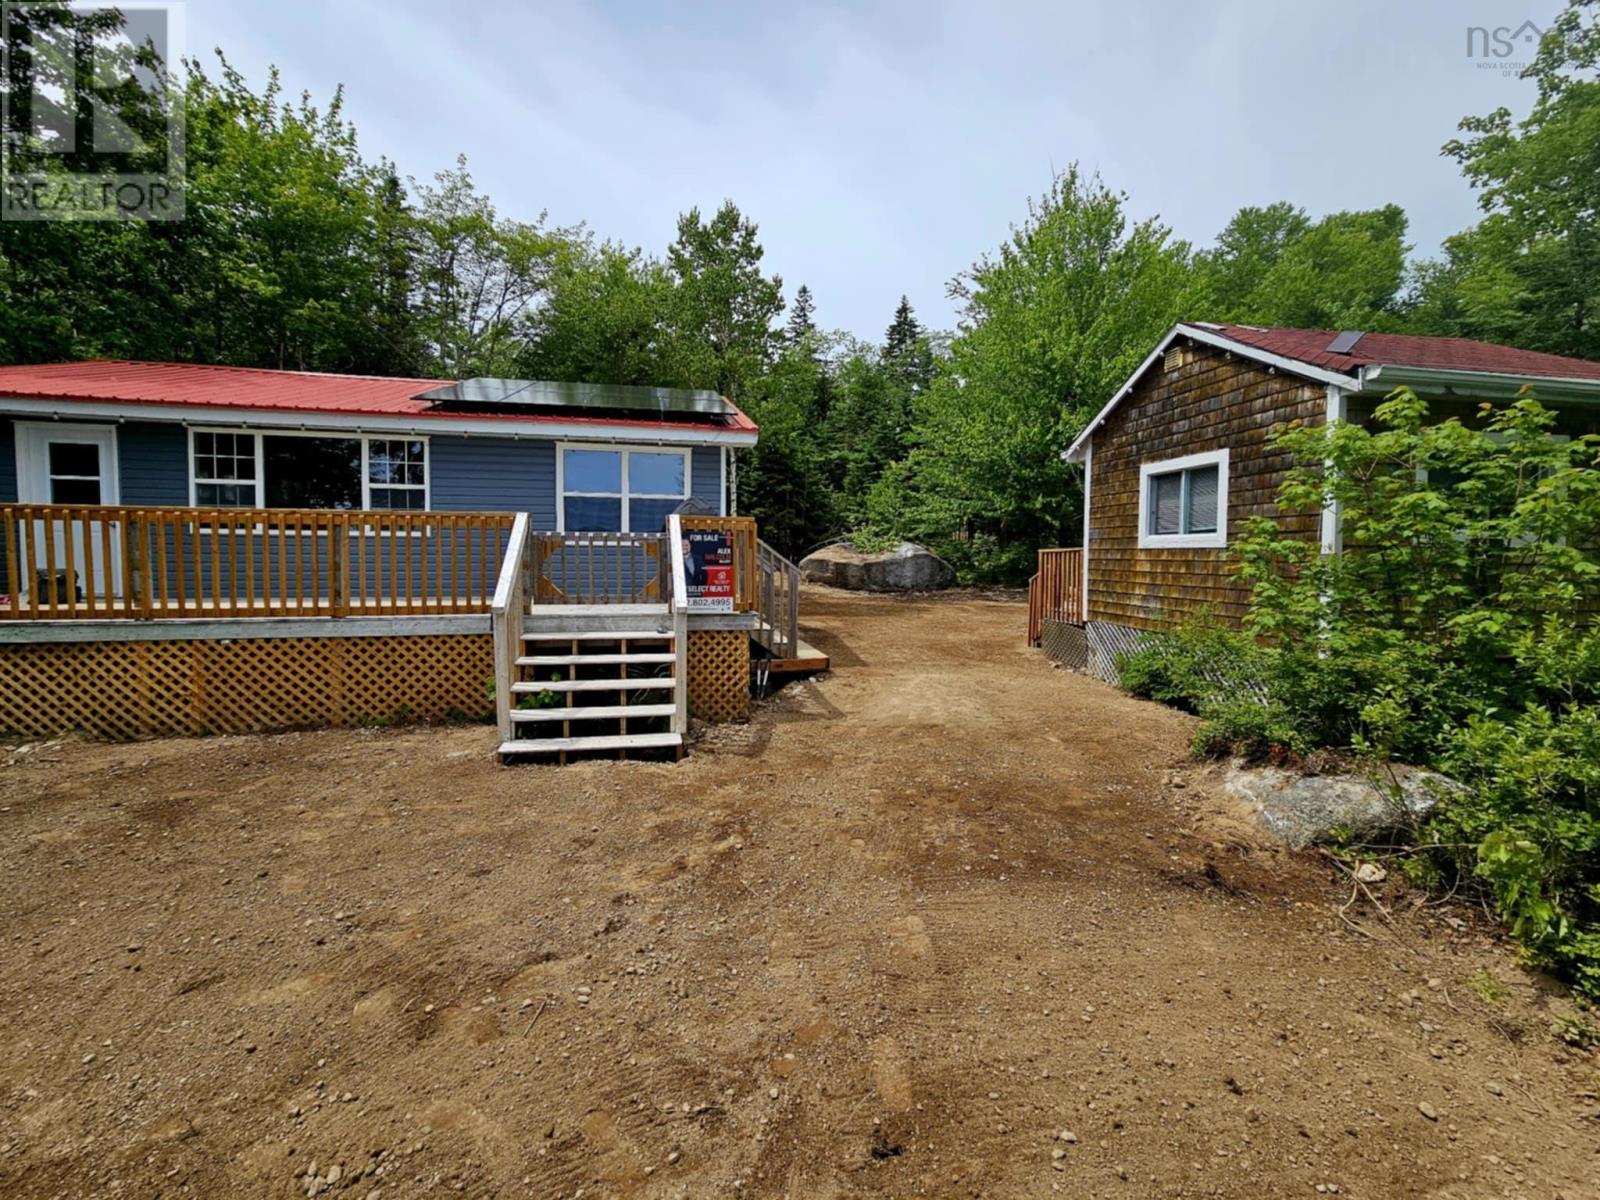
(906, 568)
(1303, 810)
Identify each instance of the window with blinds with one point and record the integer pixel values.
(1185, 501)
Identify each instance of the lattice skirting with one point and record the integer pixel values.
(123, 690)
(719, 674)
(1065, 644)
(1107, 642)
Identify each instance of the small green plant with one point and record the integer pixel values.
(1575, 1032)
(1486, 986)
(871, 541)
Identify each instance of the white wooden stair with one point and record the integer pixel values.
(593, 677)
(605, 677)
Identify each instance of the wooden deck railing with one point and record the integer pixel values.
(596, 568)
(66, 562)
(1055, 593)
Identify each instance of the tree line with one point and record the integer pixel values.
(298, 252)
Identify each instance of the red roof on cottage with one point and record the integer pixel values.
(1310, 346)
(255, 389)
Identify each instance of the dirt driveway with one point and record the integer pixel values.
(942, 923)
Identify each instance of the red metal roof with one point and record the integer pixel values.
(253, 389)
(1310, 346)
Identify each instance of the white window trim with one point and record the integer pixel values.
(686, 453)
(335, 435)
(1184, 541)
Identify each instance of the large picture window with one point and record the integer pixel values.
(621, 490)
(233, 469)
(1183, 502)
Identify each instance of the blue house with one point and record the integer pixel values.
(188, 548)
(573, 456)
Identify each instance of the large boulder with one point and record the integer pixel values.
(906, 568)
(1303, 810)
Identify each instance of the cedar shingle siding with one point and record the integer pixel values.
(1210, 402)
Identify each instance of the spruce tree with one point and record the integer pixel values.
(802, 320)
(905, 349)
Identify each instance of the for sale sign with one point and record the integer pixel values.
(708, 564)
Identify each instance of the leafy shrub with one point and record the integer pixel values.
(1252, 728)
(1457, 629)
(1221, 675)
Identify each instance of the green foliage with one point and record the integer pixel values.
(477, 273)
(1052, 323)
(1456, 629)
(1275, 266)
(1530, 273)
(1487, 987)
(723, 306)
(605, 319)
(1224, 677)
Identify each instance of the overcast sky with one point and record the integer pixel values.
(882, 147)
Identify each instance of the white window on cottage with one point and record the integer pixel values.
(397, 474)
(1183, 502)
(226, 472)
(621, 490)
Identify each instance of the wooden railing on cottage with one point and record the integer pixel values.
(586, 567)
(1055, 593)
(69, 562)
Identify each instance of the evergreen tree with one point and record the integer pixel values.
(802, 321)
(906, 352)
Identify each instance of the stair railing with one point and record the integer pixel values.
(678, 587)
(778, 597)
(510, 604)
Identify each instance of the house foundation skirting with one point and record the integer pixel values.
(1108, 642)
(719, 674)
(1064, 643)
(122, 690)
(126, 680)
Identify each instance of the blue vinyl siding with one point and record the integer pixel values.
(8, 463)
(705, 477)
(495, 475)
(152, 464)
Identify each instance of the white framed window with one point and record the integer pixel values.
(224, 469)
(396, 473)
(619, 489)
(240, 468)
(1183, 502)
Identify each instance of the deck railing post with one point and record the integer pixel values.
(506, 621)
(680, 625)
(138, 539)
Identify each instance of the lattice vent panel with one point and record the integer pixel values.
(123, 690)
(719, 674)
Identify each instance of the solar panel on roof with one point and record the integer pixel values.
(530, 393)
(1345, 342)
